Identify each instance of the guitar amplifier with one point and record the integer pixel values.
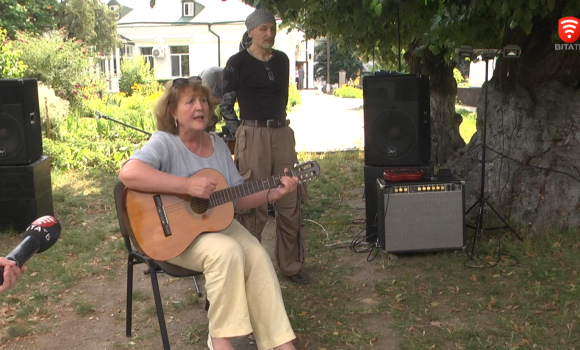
(421, 216)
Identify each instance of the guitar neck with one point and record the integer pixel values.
(232, 193)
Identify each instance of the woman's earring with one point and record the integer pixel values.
(175, 120)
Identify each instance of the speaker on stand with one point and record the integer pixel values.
(397, 132)
(25, 185)
(397, 120)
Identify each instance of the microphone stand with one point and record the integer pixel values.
(99, 116)
(482, 201)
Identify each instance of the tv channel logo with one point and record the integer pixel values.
(569, 29)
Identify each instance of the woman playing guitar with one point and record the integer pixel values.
(241, 283)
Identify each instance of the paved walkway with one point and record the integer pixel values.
(327, 123)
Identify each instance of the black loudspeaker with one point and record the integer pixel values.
(421, 216)
(25, 194)
(371, 175)
(20, 134)
(397, 120)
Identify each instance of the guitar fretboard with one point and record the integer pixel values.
(232, 193)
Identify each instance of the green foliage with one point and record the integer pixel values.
(88, 143)
(106, 38)
(468, 126)
(53, 111)
(367, 27)
(294, 98)
(461, 81)
(92, 22)
(136, 71)
(341, 58)
(34, 16)
(388, 63)
(348, 92)
(10, 64)
(371, 26)
(65, 65)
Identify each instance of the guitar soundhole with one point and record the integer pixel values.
(199, 205)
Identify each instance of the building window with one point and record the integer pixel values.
(147, 53)
(191, 8)
(188, 9)
(179, 61)
(129, 50)
(114, 7)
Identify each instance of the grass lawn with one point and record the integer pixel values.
(468, 126)
(358, 300)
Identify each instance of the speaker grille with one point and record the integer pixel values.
(394, 134)
(20, 131)
(397, 120)
(11, 136)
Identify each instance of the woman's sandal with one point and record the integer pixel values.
(209, 343)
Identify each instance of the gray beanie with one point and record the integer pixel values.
(258, 17)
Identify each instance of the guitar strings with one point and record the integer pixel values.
(211, 203)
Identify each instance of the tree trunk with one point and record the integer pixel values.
(533, 135)
(445, 137)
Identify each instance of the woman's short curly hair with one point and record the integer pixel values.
(167, 103)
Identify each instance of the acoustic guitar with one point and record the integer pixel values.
(164, 225)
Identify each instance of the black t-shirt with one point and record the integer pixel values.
(259, 97)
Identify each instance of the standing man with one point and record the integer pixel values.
(258, 77)
(300, 77)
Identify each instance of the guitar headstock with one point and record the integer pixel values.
(306, 171)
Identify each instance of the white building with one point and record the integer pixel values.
(182, 37)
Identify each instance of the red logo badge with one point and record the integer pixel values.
(569, 29)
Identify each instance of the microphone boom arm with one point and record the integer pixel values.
(99, 116)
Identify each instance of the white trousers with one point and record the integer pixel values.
(241, 284)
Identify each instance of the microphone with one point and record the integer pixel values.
(38, 237)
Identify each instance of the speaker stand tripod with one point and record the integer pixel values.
(482, 201)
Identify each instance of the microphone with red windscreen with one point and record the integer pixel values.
(38, 237)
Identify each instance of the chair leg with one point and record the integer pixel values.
(129, 314)
(159, 307)
(196, 287)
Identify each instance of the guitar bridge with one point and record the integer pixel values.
(162, 215)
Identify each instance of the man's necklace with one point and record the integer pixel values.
(252, 54)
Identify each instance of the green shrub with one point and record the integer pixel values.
(348, 92)
(466, 113)
(63, 64)
(136, 74)
(10, 64)
(90, 143)
(83, 143)
(56, 107)
(461, 81)
(294, 98)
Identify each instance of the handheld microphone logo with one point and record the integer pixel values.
(569, 29)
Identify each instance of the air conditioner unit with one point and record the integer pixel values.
(158, 52)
